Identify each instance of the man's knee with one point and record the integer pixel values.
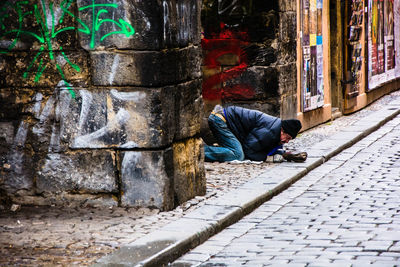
(238, 154)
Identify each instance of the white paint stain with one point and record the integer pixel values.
(94, 139)
(5, 44)
(166, 19)
(184, 19)
(63, 105)
(16, 158)
(37, 105)
(113, 70)
(129, 145)
(20, 137)
(54, 139)
(57, 15)
(61, 60)
(128, 96)
(60, 113)
(130, 160)
(143, 18)
(87, 100)
(39, 128)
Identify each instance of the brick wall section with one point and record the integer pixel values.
(91, 111)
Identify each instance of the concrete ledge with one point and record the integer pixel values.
(173, 240)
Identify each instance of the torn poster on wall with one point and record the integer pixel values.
(383, 42)
(312, 80)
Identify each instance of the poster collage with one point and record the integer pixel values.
(355, 27)
(380, 19)
(383, 41)
(312, 72)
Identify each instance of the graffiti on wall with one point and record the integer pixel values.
(59, 124)
(227, 42)
(47, 16)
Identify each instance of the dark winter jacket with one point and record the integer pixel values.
(258, 132)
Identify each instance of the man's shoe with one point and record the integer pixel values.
(296, 157)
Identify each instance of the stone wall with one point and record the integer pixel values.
(249, 50)
(101, 102)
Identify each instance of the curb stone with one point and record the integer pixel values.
(176, 238)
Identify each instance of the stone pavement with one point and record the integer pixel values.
(343, 213)
(33, 236)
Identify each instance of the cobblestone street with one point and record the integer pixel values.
(41, 235)
(344, 213)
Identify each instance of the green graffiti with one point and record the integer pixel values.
(124, 26)
(47, 33)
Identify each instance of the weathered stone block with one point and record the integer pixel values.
(144, 68)
(16, 169)
(16, 160)
(124, 118)
(140, 25)
(81, 171)
(136, 25)
(39, 111)
(289, 106)
(287, 27)
(287, 5)
(39, 70)
(190, 110)
(194, 61)
(260, 55)
(287, 38)
(14, 103)
(6, 135)
(288, 53)
(254, 83)
(189, 173)
(147, 179)
(181, 20)
(287, 78)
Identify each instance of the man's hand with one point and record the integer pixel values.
(277, 158)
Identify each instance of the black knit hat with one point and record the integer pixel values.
(291, 127)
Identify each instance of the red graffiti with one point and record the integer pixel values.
(224, 43)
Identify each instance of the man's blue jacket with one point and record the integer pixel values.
(258, 132)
